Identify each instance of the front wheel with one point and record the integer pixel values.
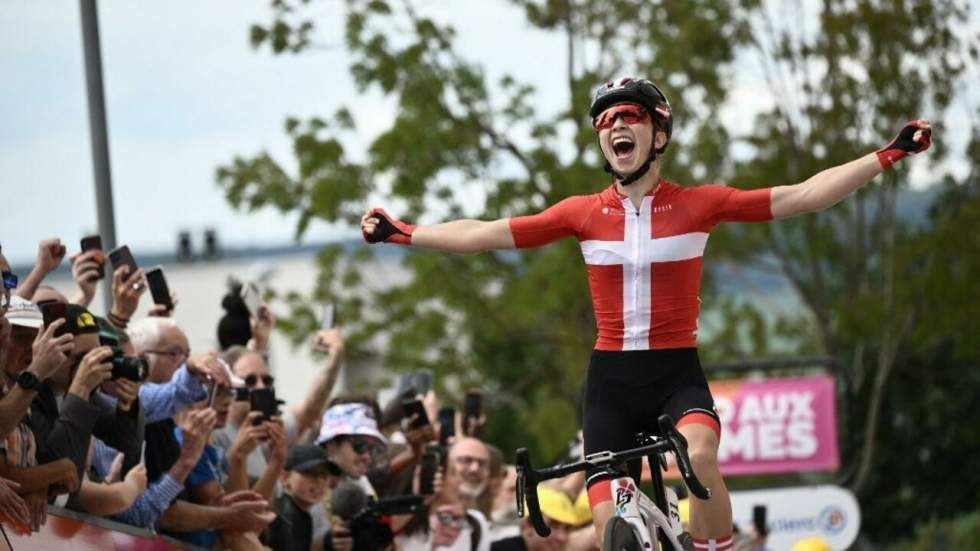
(620, 535)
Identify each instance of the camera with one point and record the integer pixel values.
(133, 368)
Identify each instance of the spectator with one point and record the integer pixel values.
(64, 430)
(469, 472)
(23, 345)
(251, 367)
(309, 473)
(18, 459)
(349, 434)
(234, 328)
(559, 514)
(449, 527)
(504, 520)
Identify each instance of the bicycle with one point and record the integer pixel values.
(638, 521)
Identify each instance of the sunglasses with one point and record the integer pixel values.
(629, 112)
(363, 444)
(448, 519)
(253, 379)
(9, 280)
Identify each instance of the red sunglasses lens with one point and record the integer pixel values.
(631, 114)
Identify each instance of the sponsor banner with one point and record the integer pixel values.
(777, 425)
(827, 512)
(773, 426)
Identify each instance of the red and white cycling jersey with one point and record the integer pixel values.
(644, 264)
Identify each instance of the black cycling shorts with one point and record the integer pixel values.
(625, 393)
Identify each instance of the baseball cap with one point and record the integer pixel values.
(305, 457)
(557, 506)
(811, 544)
(349, 419)
(24, 313)
(80, 321)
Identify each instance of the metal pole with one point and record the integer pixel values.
(99, 136)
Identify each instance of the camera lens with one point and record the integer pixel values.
(133, 368)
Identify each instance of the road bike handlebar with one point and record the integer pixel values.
(529, 477)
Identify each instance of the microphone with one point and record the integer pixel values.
(348, 500)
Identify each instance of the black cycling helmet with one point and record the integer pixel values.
(641, 92)
(634, 90)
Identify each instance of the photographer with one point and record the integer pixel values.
(84, 410)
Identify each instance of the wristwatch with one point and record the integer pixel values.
(28, 380)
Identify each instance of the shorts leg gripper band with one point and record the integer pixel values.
(698, 418)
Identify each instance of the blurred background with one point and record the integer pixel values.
(246, 138)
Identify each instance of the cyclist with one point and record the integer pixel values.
(643, 239)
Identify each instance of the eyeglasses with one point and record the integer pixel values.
(448, 519)
(176, 355)
(363, 444)
(629, 112)
(467, 460)
(9, 280)
(252, 379)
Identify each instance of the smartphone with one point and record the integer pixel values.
(120, 256)
(423, 381)
(447, 425)
(427, 473)
(472, 407)
(405, 385)
(415, 407)
(94, 243)
(759, 520)
(241, 394)
(52, 310)
(212, 388)
(263, 400)
(158, 287)
(327, 319)
(252, 298)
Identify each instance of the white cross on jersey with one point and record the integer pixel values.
(637, 252)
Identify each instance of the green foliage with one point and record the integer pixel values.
(959, 533)
(879, 294)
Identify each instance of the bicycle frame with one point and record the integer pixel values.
(660, 517)
(650, 521)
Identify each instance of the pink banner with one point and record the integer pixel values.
(777, 425)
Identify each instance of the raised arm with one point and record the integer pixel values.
(828, 187)
(50, 252)
(458, 236)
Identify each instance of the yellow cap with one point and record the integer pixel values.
(811, 544)
(583, 510)
(557, 506)
(684, 509)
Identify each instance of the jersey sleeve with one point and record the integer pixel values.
(557, 221)
(719, 203)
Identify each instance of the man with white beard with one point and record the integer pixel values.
(469, 472)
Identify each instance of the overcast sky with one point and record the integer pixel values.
(186, 93)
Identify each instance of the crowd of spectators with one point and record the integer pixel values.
(117, 417)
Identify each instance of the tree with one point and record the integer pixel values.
(843, 80)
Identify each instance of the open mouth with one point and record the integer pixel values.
(623, 147)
